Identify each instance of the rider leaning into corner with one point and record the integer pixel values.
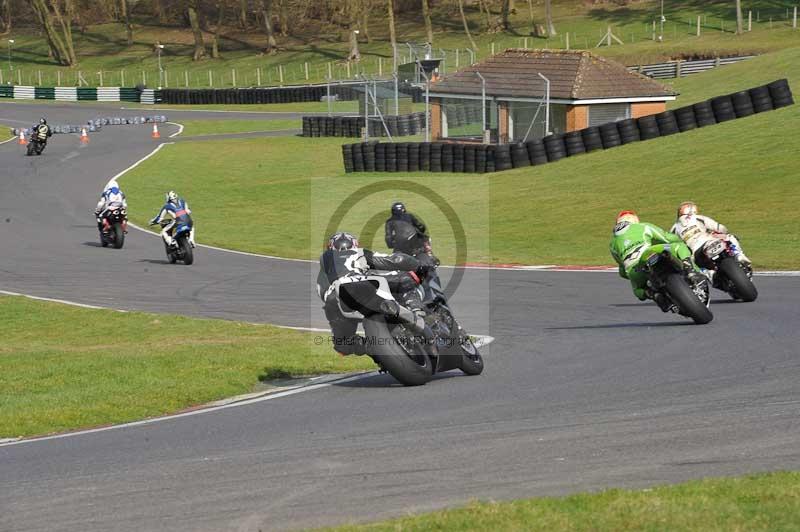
(631, 238)
(178, 211)
(697, 230)
(111, 194)
(343, 258)
(41, 131)
(402, 229)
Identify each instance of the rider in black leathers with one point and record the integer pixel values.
(343, 258)
(405, 232)
(41, 131)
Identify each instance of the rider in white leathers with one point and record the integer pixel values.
(111, 194)
(697, 230)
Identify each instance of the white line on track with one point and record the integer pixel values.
(180, 129)
(9, 140)
(62, 301)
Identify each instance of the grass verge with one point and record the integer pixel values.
(764, 502)
(193, 128)
(59, 371)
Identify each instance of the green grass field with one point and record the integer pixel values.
(59, 371)
(767, 502)
(194, 128)
(741, 172)
(102, 47)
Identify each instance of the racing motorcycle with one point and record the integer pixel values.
(114, 222)
(730, 275)
(35, 146)
(181, 248)
(688, 291)
(394, 333)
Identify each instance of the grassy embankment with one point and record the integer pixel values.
(103, 47)
(766, 502)
(193, 128)
(58, 370)
(742, 172)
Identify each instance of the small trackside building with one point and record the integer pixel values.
(585, 90)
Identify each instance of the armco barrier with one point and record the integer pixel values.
(71, 94)
(480, 158)
(351, 126)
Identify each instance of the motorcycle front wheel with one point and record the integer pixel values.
(471, 359)
(402, 357)
(689, 304)
(119, 236)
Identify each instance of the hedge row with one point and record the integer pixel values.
(451, 157)
(308, 93)
(350, 126)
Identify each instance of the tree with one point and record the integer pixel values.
(158, 7)
(504, 15)
(366, 7)
(243, 14)
(548, 19)
(199, 44)
(266, 16)
(530, 11)
(283, 17)
(353, 12)
(466, 26)
(5, 17)
(392, 33)
(59, 38)
(125, 11)
(426, 14)
(739, 20)
(220, 18)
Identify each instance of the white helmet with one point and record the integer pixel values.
(687, 208)
(172, 197)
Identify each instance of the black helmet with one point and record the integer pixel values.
(42, 121)
(398, 208)
(342, 242)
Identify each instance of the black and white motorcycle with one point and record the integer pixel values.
(394, 334)
(729, 274)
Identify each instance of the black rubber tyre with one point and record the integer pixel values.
(781, 93)
(471, 359)
(392, 357)
(688, 303)
(31, 148)
(742, 104)
(667, 124)
(458, 158)
(723, 108)
(573, 141)
(648, 127)
(555, 147)
(744, 288)
(704, 114)
(502, 157)
(170, 256)
(103, 241)
(519, 155)
(610, 135)
(685, 118)
(591, 139)
(188, 252)
(537, 153)
(628, 131)
(119, 236)
(762, 101)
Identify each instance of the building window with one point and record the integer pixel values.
(526, 121)
(608, 112)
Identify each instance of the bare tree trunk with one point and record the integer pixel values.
(426, 14)
(483, 7)
(466, 26)
(266, 15)
(5, 17)
(392, 32)
(243, 14)
(352, 26)
(220, 18)
(125, 11)
(366, 7)
(283, 18)
(548, 18)
(60, 44)
(199, 44)
(739, 19)
(159, 11)
(504, 14)
(530, 11)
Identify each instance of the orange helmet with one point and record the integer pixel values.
(627, 216)
(687, 208)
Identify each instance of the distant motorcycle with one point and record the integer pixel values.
(730, 275)
(687, 290)
(35, 146)
(181, 248)
(114, 225)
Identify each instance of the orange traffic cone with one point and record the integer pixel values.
(156, 134)
(22, 140)
(84, 136)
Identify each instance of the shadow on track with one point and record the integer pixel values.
(387, 381)
(622, 325)
(92, 244)
(154, 261)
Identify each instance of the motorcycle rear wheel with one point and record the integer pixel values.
(119, 236)
(682, 295)
(387, 351)
(186, 248)
(743, 287)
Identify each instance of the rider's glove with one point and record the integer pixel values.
(426, 265)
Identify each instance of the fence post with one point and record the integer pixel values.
(750, 20)
(121, 78)
(186, 77)
(568, 41)
(210, 80)
(654, 30)
(144, 78)
(698, 25)
(380, 66)
(526, 43)
(306, 65)
(794, 18)
(19, 77)
(101, 77)
(280, 73)
(678, 68)
(348, 70)
(40, 78)
(58, 76)
(258, 76)
(233, 76)
(716, 61)
(166, 78)
(492, 47)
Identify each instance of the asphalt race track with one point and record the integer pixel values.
(584, 387)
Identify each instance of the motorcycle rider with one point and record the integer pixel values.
(111, 194)
(41, 131)
(631, 238)
(697, 230)
(344, 258)
(178, 210)
(405, 232)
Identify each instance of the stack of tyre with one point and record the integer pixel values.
(449, 157)
(308, 93)
(350, 126)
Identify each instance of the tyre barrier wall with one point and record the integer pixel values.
(262, 95)
(482, 158)
(72, 94)
(350, 126)
(95, 125)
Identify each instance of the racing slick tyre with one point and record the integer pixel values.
(471, 359)
(188, 252)
(31, 148)
(170, 255)
(103, 241)
(409, 367)
(119, 236)
(689, 305)
(744, 288)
